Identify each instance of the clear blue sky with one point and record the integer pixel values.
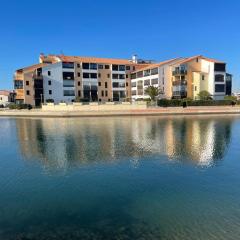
(153, 29)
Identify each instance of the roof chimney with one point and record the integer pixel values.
(135, 58)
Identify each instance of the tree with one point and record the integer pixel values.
(204, 95)
(152, 92)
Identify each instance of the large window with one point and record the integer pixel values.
(93, 66)
(68, 76)
(121, 76)
(220, 67)
(133, 84)
(154, 81)
(68, 65)
(154, 71)
(219, 78)
(115, 67)
(147, 73)
(69, 93)
(122, 68)
(146, 82)
(115, 84)
(134, 92)
(18, 84)
(68, 83)
(93, 75)
(139, 74)
(133, 76)
(115, 76)
(85, 65)
(86, 75)
(220, 88)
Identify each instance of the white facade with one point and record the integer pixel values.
(53, 83)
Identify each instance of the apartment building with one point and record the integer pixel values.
(192, 75)
(183, 78)
(62, 78)
(157, 75)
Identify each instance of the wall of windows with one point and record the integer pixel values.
(219, 88)
(69, 65)
(69, 93)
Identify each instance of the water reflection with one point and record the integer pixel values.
(63, 143)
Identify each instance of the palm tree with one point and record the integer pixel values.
(152, 92)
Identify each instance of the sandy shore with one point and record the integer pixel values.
(149, 111)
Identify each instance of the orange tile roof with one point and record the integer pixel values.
(95, 60)
(32, 67)
(189, 59)
(5, 92)
(155, 65)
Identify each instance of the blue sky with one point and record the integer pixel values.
(152, 29)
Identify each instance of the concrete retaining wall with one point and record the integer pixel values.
(109, 106)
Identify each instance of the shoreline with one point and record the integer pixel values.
(170, 111)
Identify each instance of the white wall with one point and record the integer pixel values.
(56, 86)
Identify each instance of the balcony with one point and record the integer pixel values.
(180, 83)
(179, 72)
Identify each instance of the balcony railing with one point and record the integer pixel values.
(179, 83)
(179, 72)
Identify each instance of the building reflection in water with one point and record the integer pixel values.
(62, 143)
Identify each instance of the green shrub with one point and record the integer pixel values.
(19, 106)
(50, 101)
(179, 102)
(232, 98)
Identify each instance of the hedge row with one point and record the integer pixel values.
(180, 102)
(19, 106)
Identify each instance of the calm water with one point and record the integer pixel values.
(120, 178)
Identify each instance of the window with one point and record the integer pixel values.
(49, 73)
(147, 73)
(85, 65)
(102, 93)
(121, 76)
(100, 66)
(79, 93)
(68, 83)
(68, 93)
(121, 85)
(106, 84)
(85, 75)
(134, 84)
(93, 66)
(79, 83)
(133, 76)
(203, 77)
(106, 93)
(99, 84)
(128, 68)
(79, 74)
(78, 65)
(49, 83)
(107, 67)
(99, 75)
(122, 68)
(18, 84)
(28, 92)
(115, 67)
(146, 82)
(220, 88)
(50, 92)
(108, 75)
(134, 68)
(68, 65)
(115, 84)
(126, 84)
(139, 74)
(197, 60)
(219, 78)
(115, 76)
(154, 81)
(93, 75)
(27, 83)
(195, 88)
(163, 80)
(68, 76)
(220, 67)
(154, 71)
(134, 92)
(126, 75)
